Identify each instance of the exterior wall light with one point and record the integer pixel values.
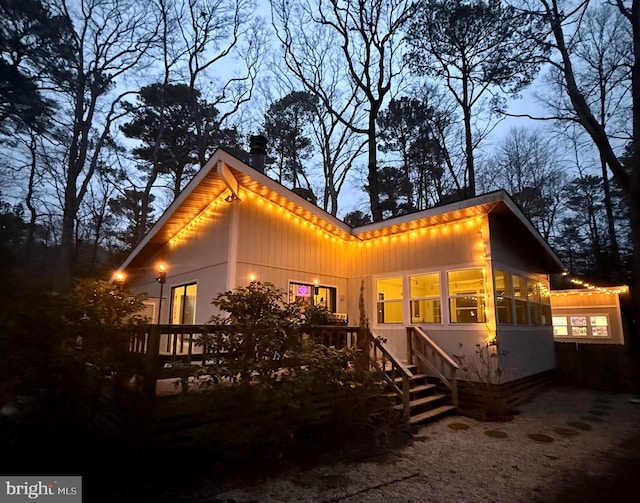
(161, 277)
(119, 277)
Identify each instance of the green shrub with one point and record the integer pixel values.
(288, 386)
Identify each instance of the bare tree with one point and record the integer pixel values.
(532, 172)
(339, 148)
(366, 44)
(564, 21)
(337, 145)
(479, 49)
(601, 65)
(221, 48)
(109, 39)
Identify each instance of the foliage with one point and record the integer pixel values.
(320, 407)
(485, 380)
(406, 130)
(278, 375)
(97, 319)
(287, 125)
(29, 37)
(316, 314)
(394, 189)
(479, 48)
(258, 327)
(172, 121)
(12, 234)
(483, 366)
(57, 350)
(356, 218)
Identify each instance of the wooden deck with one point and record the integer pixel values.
(166, 355)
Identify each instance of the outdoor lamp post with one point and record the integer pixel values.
(161, 278)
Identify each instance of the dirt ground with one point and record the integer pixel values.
(567, 445)
(618, 483)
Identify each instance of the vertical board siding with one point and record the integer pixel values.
(510, 249)
(289, 249)
(201, 257)
(591, 303)
(444, 246)
(526, 352)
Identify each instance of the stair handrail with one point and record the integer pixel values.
(398, 369)
(436, 351)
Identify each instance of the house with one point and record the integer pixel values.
(590, 315)
(595, 337)
(467, 274)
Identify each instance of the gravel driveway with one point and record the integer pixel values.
(566, 445)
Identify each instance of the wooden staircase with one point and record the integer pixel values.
(427, 401)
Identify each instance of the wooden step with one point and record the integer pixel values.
(410, 366)
(413, 378)
(425, 400)
(421, 388)
(432, 414)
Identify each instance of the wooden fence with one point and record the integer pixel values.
(608, 367)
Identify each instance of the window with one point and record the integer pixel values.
(545, 305)
(504, 296)
(389, 306)
(528, 298)
(578, 326)
(581, 326)
(599, 326)
(520, 298)
(466, 296)
(560, 326)
(533, 296)
(307, 293)
(425, 298)
(183, 304)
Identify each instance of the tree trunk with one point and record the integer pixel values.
(615, 250)
(374, 190)
(470, 190)
(633, 195)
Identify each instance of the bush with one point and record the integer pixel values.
(287, 384)
(56, 352)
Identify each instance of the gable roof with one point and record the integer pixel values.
(225, 174)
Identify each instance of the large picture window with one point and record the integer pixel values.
(183, 304)
(389, 305)
(425, 298)
(466, 296)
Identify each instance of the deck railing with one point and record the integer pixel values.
(395, 373)
(160, 347)
(431, 358)
(168, 351)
